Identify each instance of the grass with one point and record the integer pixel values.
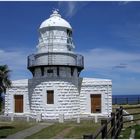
(137, 133)
(48, 132)
(8, 128)
(77, 130)
(85, 127)
(68, 129)
(126, 133)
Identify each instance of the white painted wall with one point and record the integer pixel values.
(96, 86)
(67, 99)
(19, 87)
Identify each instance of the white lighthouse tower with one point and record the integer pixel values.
(54, 88)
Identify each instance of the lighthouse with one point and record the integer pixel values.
(56, 91)
(54, 88)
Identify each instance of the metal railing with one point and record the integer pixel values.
(79, 59)
(126, 100)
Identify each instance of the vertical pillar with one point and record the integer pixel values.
(96, 119)
(118, 121)
(12, 117)
(121, 116)
(27, 118)
(61, 118)
(78, 119)
(113, 124)
(38, 117)
(104, 131)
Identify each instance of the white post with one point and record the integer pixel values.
(78, 119)
(12, 117)
(96, 119)
(61, 118)
(27, 118)
(38, 117)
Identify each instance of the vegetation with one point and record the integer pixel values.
(4, 80)
(86, 127)
(8, 128)
(49, 131)
(137, 131)
(67, 130)
(76, 131)
(126, 133)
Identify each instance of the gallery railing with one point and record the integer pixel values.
(52, 58)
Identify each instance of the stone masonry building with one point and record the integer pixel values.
(56, 88)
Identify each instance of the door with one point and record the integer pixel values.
(18, 103)
(95, 103)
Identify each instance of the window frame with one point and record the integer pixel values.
(50, 71)
(50, 98)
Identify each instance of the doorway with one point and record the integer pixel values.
(95, 103)
(18, 103)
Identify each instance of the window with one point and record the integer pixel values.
(69, 33)
(49, 71)
(57, 71)
(33, 72)
(72, 71)
(42, 71)
(50, 97)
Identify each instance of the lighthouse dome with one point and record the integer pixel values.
(55, 20)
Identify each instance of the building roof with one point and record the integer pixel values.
(22, 82)
(96, 81)
(55, 20)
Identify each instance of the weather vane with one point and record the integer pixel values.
(55, 10)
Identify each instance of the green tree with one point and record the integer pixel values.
(5, 81)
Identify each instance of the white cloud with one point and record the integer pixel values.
(107, 60)
(16, 61)
(71, 7)
(124, 2)
(13, 58)
(123, 68)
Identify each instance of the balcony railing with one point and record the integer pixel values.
(52, 59)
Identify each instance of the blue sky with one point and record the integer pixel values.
(106, 33)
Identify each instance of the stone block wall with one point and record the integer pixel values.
(96, 86)
(19, 87)
(66, 100)
(71, 98)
